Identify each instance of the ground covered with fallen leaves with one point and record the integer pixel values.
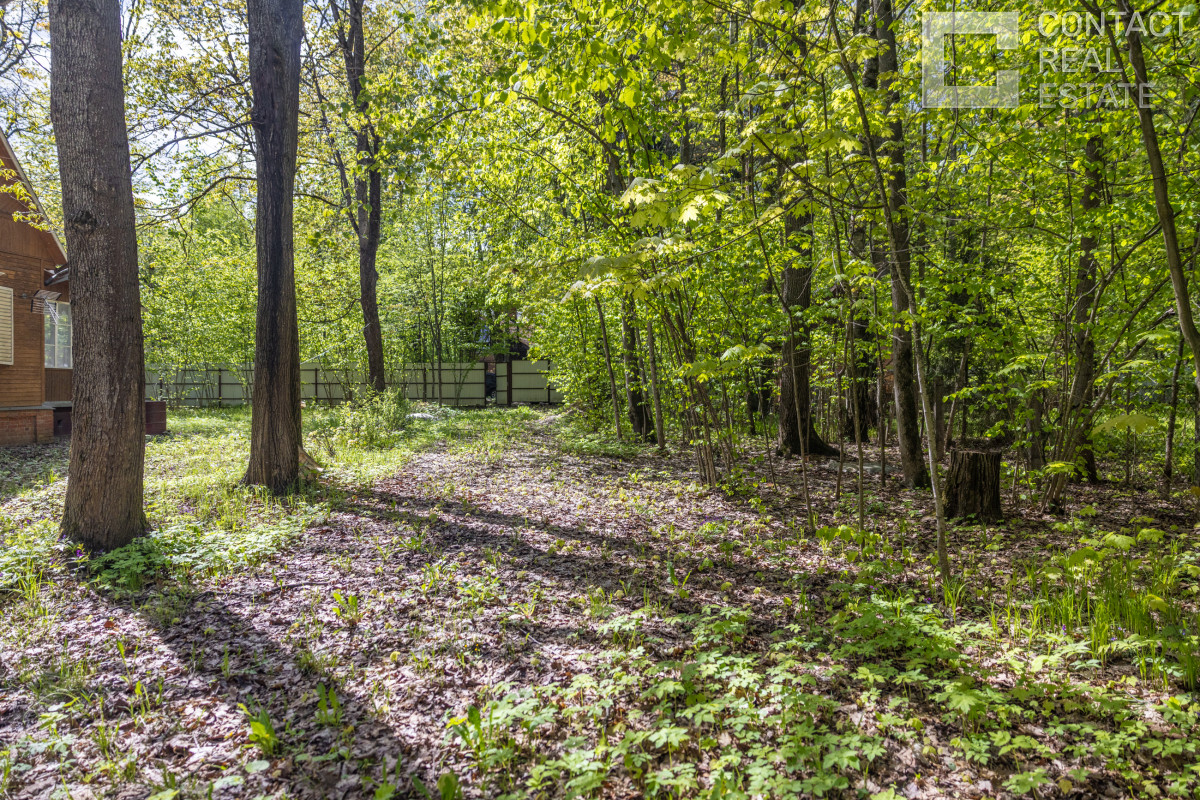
(497, 605)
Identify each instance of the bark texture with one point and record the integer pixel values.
(368, 183)
(637, 409)
(973, 485)
(276, 28)
(904, 383)
(1162, 197)
(795, 402)
(1085, 298)
(103, 507)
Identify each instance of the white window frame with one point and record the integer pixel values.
(8, 344)
(54, 347)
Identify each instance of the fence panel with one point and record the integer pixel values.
(531, 383)
(456, 384)
(461, 384)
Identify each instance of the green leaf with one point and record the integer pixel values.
(1136, 422)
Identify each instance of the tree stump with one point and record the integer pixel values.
(973, 485)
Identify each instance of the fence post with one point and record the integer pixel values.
(547, 383)
(508, 386)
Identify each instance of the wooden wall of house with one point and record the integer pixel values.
(58, 385)
(25, 254)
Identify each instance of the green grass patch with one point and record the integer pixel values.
(573, 436)
(203, 521)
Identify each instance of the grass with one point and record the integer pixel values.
(203, 521)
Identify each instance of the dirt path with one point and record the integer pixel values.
(410, 600)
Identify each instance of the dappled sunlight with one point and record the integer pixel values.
(575, 620)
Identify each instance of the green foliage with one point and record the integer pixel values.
(262, 730)
(346, 607)
(329, 707)
(373, 422)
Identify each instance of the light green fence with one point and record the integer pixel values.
(453, 384)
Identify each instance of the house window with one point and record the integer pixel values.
(6, 325)
(58, 336)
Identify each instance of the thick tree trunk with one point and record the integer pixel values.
(368, 276)
(103, 507)
(275, 30)
(973, 485)
(368, 194)
(795, 402)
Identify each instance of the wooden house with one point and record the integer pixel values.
(35, 315)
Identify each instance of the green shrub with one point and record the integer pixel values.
(374, 422)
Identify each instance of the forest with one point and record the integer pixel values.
(868, 461)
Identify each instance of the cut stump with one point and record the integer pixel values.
(973, 485)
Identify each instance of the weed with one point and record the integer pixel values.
(346, 607)
(329, 707)
(262, 730)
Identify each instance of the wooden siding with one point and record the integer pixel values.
(58, 385)
(25, 255)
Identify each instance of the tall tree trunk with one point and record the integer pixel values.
(795, 402)
(635, 395)
(276, 28)
(103, 507)
(1075, 441)
(1082, 389)
(1162, 200)
(904, 385)
(368, 183)
(654, 388)
(894, 207)
(608, 362)
(369, 214)
(1169, 450)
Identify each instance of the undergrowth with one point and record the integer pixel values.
(1085, 668)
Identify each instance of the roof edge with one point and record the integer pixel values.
(12, 156)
